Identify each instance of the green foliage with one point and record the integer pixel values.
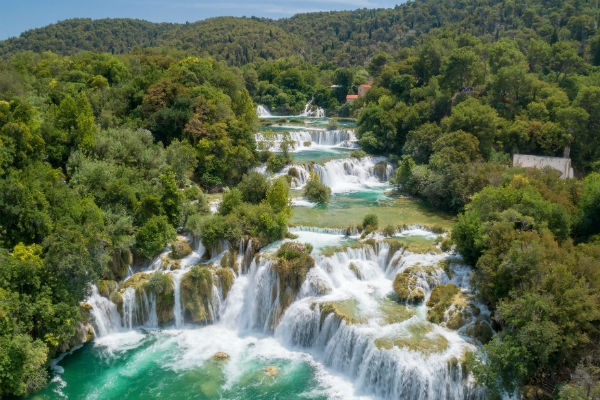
(317, 191)
(370, 222)
(254, 187)
(588, 219)
(231, 200)
(154, 236)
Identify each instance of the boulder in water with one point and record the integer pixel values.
(405, 286)
(106, 287)
(449, 305)
(272, 370)
(220, 356)
(180, 249)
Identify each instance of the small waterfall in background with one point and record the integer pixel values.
(310, 139)
(262, 112)
(312, 111)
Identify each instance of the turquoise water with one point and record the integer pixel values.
(320, 155)
(161, 365)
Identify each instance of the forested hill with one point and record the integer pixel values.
(344, 38)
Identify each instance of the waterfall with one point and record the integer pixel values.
(309, 139)
(344, 174)
(104, 313)
(383, 357)
(177, 307)
(390, 373)
(352, 174)
(129, 308)
(260, 305)
(262, 112)
(312, 111)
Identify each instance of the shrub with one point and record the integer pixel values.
(370, 222)
(154, 236)
(317, 191)
(276, 162)
(358, 154)
(231, 200)
(253, 187)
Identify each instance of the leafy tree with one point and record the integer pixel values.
(154, 235)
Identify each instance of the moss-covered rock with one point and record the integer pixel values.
(158, 285)
(161, 286)
(459, 367)
(393, 312)
(137, 281)
(405, 287)
(480, 330)
(343, 310)
(293, 261)
(226, 279)
(196, 294)
(180, 249)
(106, 287)
(354, 268)
(117, 298)
(169, 264)
(449, 305)
(229, 260)
(220, 356)
(413, 244)
(380, 170)
(429, 273)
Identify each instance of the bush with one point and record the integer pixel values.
(370, 222)
(389, 230)
(253, 187)
(358, 154)
(154, 236)
(231, 200)
(317, 191)
(218, 227)
(276, 162)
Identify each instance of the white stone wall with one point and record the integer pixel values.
(562, 165)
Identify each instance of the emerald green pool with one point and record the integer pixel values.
(164, 365)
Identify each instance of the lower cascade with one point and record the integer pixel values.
(366, 309)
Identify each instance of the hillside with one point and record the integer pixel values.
(343, 38)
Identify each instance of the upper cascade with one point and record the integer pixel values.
(307, 139)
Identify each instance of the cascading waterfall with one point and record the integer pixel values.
(312, 111)
(345, 345)
(104, 313)
(344, 174)
(309, 139)
(263, 112)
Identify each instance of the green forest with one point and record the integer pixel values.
(114, 132)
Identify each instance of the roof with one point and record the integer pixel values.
(352, 96)
(366, 86)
